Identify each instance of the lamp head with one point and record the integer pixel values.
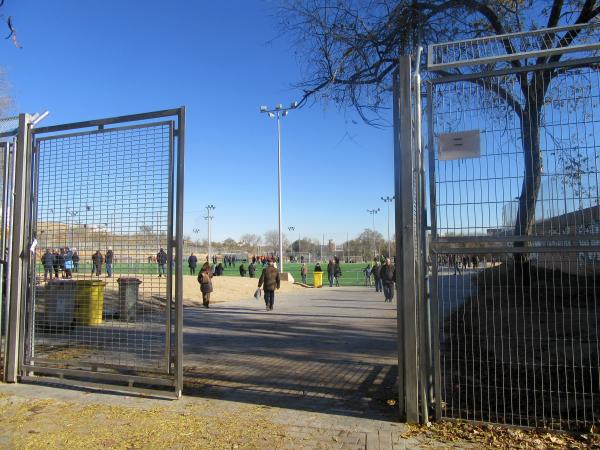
(263, 108)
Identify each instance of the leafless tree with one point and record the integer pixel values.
(350, 49)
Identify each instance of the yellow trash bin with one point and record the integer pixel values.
(318, 279)
(89, 302)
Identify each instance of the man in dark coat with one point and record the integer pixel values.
(270, 279)
(376, 272)
(242, 270)
(192, 263)
(48, 263)
(97, 260)
(75, 261)
(109, 262)
(330, 272)
(252, 269)
(388, 278)
(161, 260)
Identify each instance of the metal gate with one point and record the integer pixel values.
(6, 172)
(102, 273)
(514, 167)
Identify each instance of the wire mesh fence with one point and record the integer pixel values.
(515, 246)
(5, 184)
(103, 263)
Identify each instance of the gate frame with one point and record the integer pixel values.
(21, 264)
(441, 245)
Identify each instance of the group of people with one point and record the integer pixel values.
(384, 275)
(60, 262)
(65, 261)
(98, 259)
(455, 261)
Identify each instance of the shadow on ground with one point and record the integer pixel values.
(330, 354)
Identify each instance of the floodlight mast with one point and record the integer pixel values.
(278, 112)
(389, 200)
(373, 212)
(208, 218)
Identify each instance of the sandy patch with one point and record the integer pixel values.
(228, 289)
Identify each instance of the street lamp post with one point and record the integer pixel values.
(208, 218)
(196, 231)
(277, 113)
(73, 214)
(373, 212)
(389, 200)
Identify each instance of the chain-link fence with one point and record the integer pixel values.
(103, 258)
(515, 238)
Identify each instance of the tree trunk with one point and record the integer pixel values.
(532, 158)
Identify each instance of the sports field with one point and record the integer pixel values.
(352, 273)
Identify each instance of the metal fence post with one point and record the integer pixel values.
(405, 245)
(19, 256)
(179, 251)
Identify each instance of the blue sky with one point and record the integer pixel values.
(83, 60)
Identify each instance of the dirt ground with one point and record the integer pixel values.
(225, 288)
(228, 288)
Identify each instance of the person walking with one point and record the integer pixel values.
(337, 272)
(161, 260)
(48, 263)
(270, 279)
(109, 259)
(367, 272)
(303, 272)
(242, 270)
(192, 263)
(330, 272)
(97, 260)
(75, 261)
(206, 287)
(376, 272)
(252, 269)
(388, 278)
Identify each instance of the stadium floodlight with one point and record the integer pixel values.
(373, 212)
(278, 113)
(208, 218)
(389, 200)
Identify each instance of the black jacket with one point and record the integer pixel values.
(192, 261)
(330, 269)
(388, 274)
(376, 272)
(109, 257)
(161, 257)
(48, 260)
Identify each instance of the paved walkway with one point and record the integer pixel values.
(317, 372)
(331, 350)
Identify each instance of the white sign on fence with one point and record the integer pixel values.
(463, 145)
